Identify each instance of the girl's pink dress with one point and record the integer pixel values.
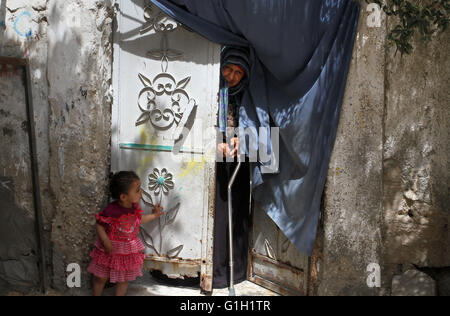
(122, 227)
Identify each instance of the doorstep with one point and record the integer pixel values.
(149, 286)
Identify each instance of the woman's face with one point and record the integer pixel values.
(233, 74)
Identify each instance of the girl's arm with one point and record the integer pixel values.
(157, 212)
(104, 238)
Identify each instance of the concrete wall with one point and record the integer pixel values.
(386, 199)
(79, 81)
(354, 192)
(416, 152)
(69, 45)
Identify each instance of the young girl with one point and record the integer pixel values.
(117, 255)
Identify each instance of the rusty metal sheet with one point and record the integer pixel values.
(274, 262)
(173, 268)
(285, 277)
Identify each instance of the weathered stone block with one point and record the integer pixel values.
(413, 283)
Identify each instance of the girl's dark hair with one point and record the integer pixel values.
(121, 183)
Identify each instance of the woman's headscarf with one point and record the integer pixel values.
(236, 56)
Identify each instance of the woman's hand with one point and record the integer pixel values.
(225, 150)
(235, 144)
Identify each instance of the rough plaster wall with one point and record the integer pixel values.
(79, 79)
(353, 194)
(416, 157)
(70, 56)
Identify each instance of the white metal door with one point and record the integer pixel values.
(167, 78)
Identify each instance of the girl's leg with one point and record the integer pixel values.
(98, 286)
(121, 288)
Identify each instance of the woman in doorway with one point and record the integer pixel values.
(235, 69)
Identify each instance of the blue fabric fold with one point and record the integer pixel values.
(300, 53)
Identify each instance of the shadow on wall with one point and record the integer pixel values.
(132, 41)
(18, 241)
(18, 246)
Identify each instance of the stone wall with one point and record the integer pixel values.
(416, 152)
(353, 193)
(387, 194)
(69, 45)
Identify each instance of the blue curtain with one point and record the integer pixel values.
(300, 52)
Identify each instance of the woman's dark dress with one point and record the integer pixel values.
(240, 201)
